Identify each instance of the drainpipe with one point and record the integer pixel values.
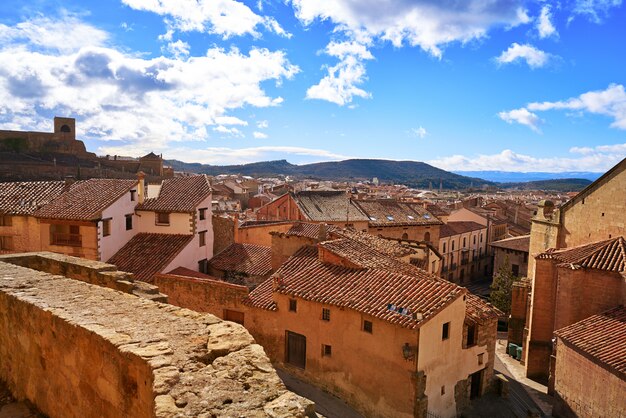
(141, 187)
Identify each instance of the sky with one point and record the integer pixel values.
(463, 85)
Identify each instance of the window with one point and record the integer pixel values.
(129, 222)
(526, 255)
(481, 237)
(6, 220)
(203, 266)
(326, 314)
(106, 227)
(234, 316)
(452, 246)
(480, 359)
(464, 242)
(444, 247)
(445, 331)
(427, 237)
(202, 237)
(293, 305)
(443, 390)
(133, 193)
(6, 243)
(368, 326)
(474, 240)
(162, 218)
(405, 236)
(471, 335)
(202, 214)
(515, 270)
(327, 350)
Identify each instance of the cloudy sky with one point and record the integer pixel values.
(470, 85)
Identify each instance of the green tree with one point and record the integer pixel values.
(502, 286)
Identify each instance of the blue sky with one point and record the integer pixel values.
(475, 85)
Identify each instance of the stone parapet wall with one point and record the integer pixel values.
(79, 350)
(90, 271)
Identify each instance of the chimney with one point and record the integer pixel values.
(236, 228)
(68, 181)
(141, 187)
(323, 233)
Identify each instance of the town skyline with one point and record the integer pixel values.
(514, 86)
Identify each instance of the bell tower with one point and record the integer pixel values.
(66, 127)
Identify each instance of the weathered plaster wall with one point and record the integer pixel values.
(89, 237)
(24, 232)
(223, 233)
(79, 350)
(585, 389)
(180, 223)
(119, 236)
(261, 234)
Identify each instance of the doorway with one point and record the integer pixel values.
(475, 384)
(296, 349)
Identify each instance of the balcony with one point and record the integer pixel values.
(68, 240)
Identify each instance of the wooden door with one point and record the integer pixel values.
(234, 316)
(296, 349)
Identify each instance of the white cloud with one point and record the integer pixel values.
(178, 49)
(419, 132)
(66, 34)
(222, 17)
(426, 24)
(595, 10)
(610, 102)
(597, 159)
(545, 28)
(228, 131)
(118, 95)
(224, 155)
(262, 124)
(523, 117)
(259, 135)
(535, 58)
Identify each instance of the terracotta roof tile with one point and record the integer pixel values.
(86, 199)
(180, 194)
(328, 206)
(388, 247)
(601, 337)
(609, 255)
(372, 291)
(24, 198)
(479, 310)
(184, 271)
(516, 243)
(309, 230)
(392, 212)
(148, 254)
(437, 210)
(253, 260)
(459, 227)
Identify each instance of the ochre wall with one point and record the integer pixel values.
(88, 249)
(585, 389)
(260, 234)
(25, 233)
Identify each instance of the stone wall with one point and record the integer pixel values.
(79, 350)
(202, 295)
(519, 301)
(223, 233)
(585, 389)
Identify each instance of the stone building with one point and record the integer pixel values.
(570, 280)
(463, 247)
(244, 264)
(515, 250)
(75, 347)
(590, 371)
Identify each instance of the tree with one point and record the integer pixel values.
(501, 287)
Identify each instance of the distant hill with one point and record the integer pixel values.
(557, 185)
(412, 173)
(519, 177)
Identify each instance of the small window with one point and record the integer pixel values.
(464, 242)
(368, 326)
(327, 350)
(203, 266)
(480, 359)
(202, 214)
(471, 336)
(443, 390)
(293, 305)
(515, 270)
(202, 237)
(474, 239)
(325, 314)
(133, 193)
(444, 247)
(106, 227)
(481, 237)
(452, 246)
(445, 331)
(162, 218)
(129, 222)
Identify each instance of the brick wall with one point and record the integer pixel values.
(585, 389)
(223, 233)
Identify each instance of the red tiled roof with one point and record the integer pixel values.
(148, 254)
(478, 310)
(459, 227)
(86, 199)
(391, 248)
(516, 243)
(253, 260)
(184, 271)
(609, 255)
(328, 206)
(309, 230)
(602, 337)
(180, 194)
(24, 198)
(437, 210)
(391, 212)
(261, 296)
(369, 290)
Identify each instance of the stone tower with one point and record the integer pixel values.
(66, 127)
